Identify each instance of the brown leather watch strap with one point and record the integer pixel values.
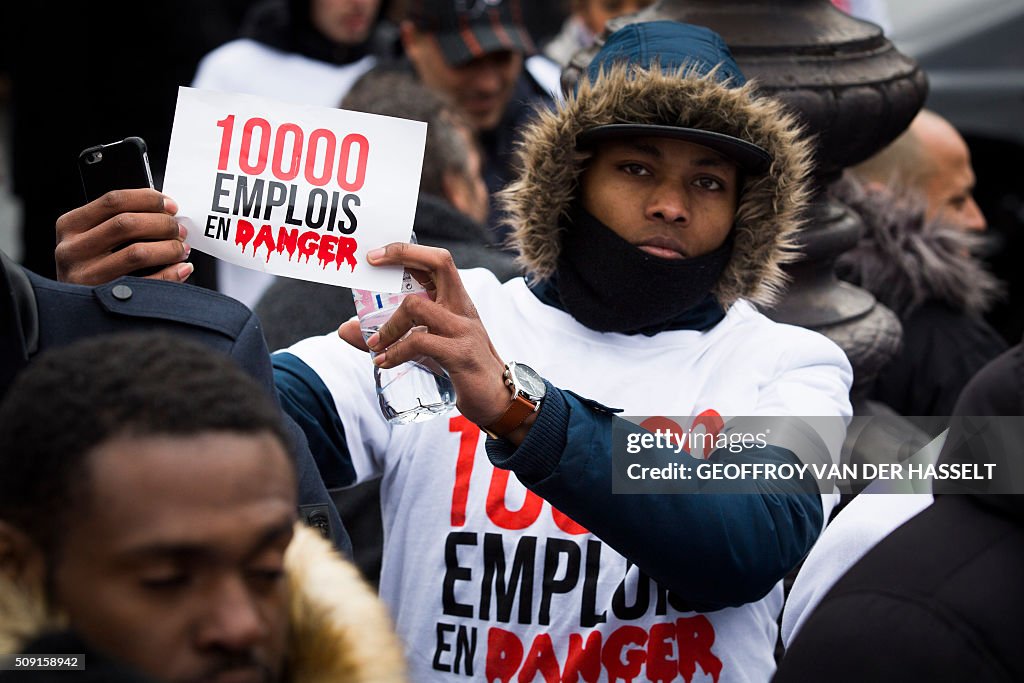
(516, 413)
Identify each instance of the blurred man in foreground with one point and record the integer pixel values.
(147, 518)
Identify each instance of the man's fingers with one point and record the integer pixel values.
(99, 251)
(134, 257)
(419, 345)
(425, 279)
(150, 254)
(127, 228)
(350, 332)
(86, 217)
(435, 266)
(452, 336)
(179, 272)
(415, 311)
(90, 238)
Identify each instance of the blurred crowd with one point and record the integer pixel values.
(195, 479)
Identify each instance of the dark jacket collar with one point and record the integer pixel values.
(19, 320)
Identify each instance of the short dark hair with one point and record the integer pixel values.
(72, 399)
(390, 91)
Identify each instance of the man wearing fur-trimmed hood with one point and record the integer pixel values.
(653, 207)
(716, 110)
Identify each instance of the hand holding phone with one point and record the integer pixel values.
(91, 239)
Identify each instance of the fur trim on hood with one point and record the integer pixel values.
(341, 632)
(904, 260)
(770, 204)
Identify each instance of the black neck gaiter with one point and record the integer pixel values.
(287, 25)
(609, 285)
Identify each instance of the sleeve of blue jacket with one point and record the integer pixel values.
(251, 352)
(306, 400)
(713, 549)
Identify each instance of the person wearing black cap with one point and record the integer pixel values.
(474, 51)
(652, 211)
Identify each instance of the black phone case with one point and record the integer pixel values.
(122, 165)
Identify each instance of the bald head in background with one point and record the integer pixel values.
(931, 158)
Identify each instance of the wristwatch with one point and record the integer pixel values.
(528, 391)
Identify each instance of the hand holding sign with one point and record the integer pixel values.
(455, 336)
(294, 190)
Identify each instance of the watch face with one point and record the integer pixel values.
(527, 380)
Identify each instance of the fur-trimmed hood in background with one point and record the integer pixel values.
(904, 260)
(340, 631)
(770, 206)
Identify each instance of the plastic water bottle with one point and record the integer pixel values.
(418, 389)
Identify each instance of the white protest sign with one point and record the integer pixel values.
(294, 190)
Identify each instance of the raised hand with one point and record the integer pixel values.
(454, 337)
